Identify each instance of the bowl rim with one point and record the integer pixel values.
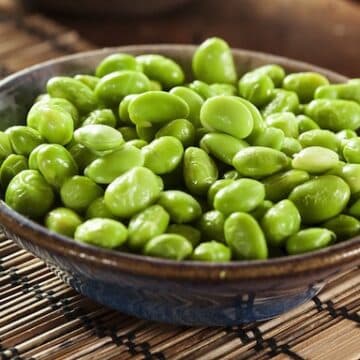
(341, 254)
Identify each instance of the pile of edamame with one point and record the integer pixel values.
(221, 167)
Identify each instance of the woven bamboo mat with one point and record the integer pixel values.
(42, 318)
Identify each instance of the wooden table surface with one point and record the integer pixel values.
(323, 32)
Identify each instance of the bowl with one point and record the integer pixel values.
(189, 293)
(113, 7)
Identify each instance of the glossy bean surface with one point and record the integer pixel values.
(213, 62)
(245, 237)
(321, 198)
(132, 192)
(106, 233)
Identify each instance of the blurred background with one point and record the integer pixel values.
(323, 32)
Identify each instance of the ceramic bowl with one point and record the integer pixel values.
(190, 293)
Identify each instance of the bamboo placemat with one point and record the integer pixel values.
(42, 318)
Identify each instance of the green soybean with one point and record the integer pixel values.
(163, 155)
(275, 72)
(155, 85)
(284, 121)
(231, 174)
(216, 187)
(23, 139)
(106, 233)
(147, 133)
(222, 146)
(211, 225)
(65, 105)
(258, 122)
(181, 129)
(304, 84)
(162, 69)
(344, 226)
(344, 135)
(74, 91)
(318, 137)
(99, 138)
(348, 91)
(212, 251)
(335, 115)
(29, 194)
(63, 221)
(280, 185)
(11, 166)
(223, 89)
(182, 207)
(281, 101)
(157, 107)
(188, 232)
(270, 137)
(242, 195)
(228, 115)
(88, 80)
(202, 89)
(169, 246)
(112, 88)
(290, 146)
(321, 198)
(81, 154)
(213, 62)
(101, 116)
(107, 168)
(315, 159)
(132, 192)
(309, 240)
(200, 170)
(280, 222)
(128, 133)
(123, 109)
(147, 224)
(56, 164)
(350, 173)
(354, 209)
(33, 161)
(41, 97)
(256, 88)
(351, 150)
(117, 62)
(98, 209)
(5, 146)
(259, 161)
(138, 143)
(245, 237)
(192, 99)
(54, 124)
(78, 192)
(306, 124)
(259, 212)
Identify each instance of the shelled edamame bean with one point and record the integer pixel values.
(210, 166)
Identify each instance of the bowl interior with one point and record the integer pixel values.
(18, 92)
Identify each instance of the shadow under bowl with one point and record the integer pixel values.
(190, 293)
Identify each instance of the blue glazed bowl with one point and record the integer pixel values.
(190, 293)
